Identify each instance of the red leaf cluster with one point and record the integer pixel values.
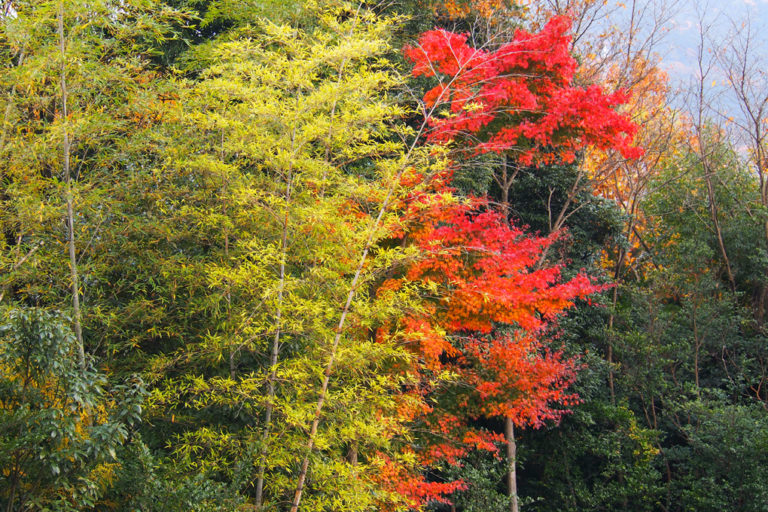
(519, 377)
(482, 274)
(519, 98)
(412, 488)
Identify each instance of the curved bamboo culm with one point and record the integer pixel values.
(275, 350)
(66, 153)
(323, 392)
(350, 296)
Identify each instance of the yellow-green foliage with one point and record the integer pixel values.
(289, 129)
(220, 209)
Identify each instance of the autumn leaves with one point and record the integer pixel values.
(278, 250)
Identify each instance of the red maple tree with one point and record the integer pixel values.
(480, 273)
(491, 302)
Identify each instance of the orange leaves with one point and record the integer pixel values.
(483, 440)
(484, 8)
(485, 268)
(430, 342)
(395, 477)
(517, 376)
(481, 274)
(434, 95)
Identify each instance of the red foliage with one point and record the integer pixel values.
(519, 377)
(412, 488)
(485, 266)
(519, 98)
(482, 273)
(483, 276)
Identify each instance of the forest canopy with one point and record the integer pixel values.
(418, 255)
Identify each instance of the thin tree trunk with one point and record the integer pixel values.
(716, 223)
(611, 378)
(668, 475)
(505, 182)
(611, 319)
(228, 291)
(9, 106)
(310, 444)
(696, 348)
(66, 150)
(509, 431)
(332, 357)
(561, 217)
(762, 301)
(704, 156)
(273, 357)
(352, 454)
(340, 327)
(615, 299)
(332, 115)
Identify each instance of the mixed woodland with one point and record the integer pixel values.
(380, 255)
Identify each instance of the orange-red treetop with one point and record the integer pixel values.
(520, 98)
(491, 302)
(487, 274)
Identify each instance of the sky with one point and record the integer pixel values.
(679, 47)
(679, 44)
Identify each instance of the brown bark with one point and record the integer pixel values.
(505, 181)
(703, 148)
(509, 431)
(696, 347)
(713, 212)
